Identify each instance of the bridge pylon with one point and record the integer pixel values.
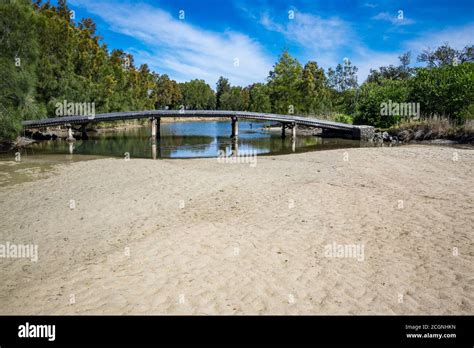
(235, 127)
(155, 123)
(291, 126)
(70, 137)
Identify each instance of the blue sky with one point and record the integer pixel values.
(242, 39)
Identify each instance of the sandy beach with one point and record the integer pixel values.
(202, 237)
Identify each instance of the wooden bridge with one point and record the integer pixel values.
(286, 121)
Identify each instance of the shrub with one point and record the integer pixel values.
(433, 129)
(343, 118)
(371, 98)
(446, 91)
(467, 113)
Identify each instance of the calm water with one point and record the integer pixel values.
(185, 140)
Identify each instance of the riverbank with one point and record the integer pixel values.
(203, 237)
(18, 143)
(434, 131)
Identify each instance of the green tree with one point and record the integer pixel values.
(446, 55)
(400, 72)
(197, 95)
(259, 98)
(445, 91)
(222, 87)
(168, 93)
(343, 77)
(233, 99)
(144, 88)
(18, 59)
(371, 98)
(283, 83)
(314, 93)
(343, 83)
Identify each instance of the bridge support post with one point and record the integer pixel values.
(293, 131)
(153, 150)
(235, 147)
(153, 127)
(235, 127)
(70, 137)
(293, 136)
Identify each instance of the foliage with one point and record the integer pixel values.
(445, 91)
(283, 83)
(372, 96)
(343, 77)
(167, 93)
(345, 101)
(222, 87)
(315, 95)
(446, 55)
(343, 118)
(18, 59)
(467, 113)
(401, 72)
(197, 94)
(233, 99)
(259, 98)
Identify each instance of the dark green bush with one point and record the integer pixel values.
(446, 91)
(371, 98)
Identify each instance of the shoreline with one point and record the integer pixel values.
(235, 239)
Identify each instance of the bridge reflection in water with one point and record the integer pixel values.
(188, 140)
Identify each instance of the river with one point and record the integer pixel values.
(186, 140)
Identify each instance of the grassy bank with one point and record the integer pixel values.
(434, 129)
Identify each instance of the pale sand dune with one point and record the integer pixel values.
(248, 240)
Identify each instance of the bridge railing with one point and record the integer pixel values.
(114, 116)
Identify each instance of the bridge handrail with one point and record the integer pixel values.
(297, 119)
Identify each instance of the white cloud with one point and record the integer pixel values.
(457, 37)
(312, 30)
(321, 38)
(368, 4)
(181, 49)
(399, 19)
(329, 41)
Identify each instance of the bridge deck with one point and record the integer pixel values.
(114, 116)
